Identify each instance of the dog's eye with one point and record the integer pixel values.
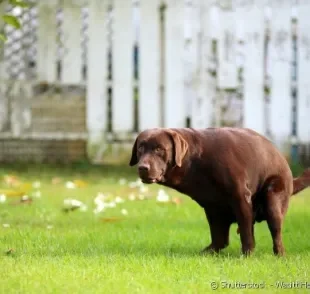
(157, 150)
(140, 149)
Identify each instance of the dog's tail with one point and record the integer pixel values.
(302, 182)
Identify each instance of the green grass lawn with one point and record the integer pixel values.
(154, 248)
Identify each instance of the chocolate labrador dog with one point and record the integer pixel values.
(235, 174)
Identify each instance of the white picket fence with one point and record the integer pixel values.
(196, 59)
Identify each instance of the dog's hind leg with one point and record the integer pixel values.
(243, 209)
(277, 200)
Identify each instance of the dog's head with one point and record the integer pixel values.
(155, 151)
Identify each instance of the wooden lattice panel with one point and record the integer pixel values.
(58, 114)
(30, 150)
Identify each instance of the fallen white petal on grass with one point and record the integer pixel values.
(132, 197)
(132, 185)
(70, 185)
(2, 198)
(25, 197)
(102, 203)
(162, 196)
(101, 207)
(36, 184)
(143, 189)
(138, 183)
(36, 194)
(119, 200)
(6, 225)
(110, 204)
(100, 198)
(83, 207)
(122, 181)
(72, 204)
(124, 211)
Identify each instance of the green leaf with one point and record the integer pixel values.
(12, 21)
(19, 3)
(3, 38)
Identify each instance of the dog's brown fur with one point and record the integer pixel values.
(235, 174)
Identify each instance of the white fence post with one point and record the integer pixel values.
(123, 117)
(202, 107)
(149, 65)
(253, 72)
(227, 75)
(72, 59)
(2, 63)
(174, 109)
(97, 72)
(3, 98)
(303, 75)
(280, 61)
(191, 46)
(47, 42)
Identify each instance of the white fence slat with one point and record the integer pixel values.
(72, 59)
(280, 65)
(47, 42)
(227, 74)
(202, 102)
(241, 6)
(253, 77)
(97, 70)
(214, 19)
(191, 63)
(303, 63)
(174, 109)
(123, 35)
(149, 98)
(2, 63)
(3, 98)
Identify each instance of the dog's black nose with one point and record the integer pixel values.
(144, 168)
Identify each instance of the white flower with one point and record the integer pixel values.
(124, 211)
(6, 225)
(99, 208)
(101, 204)
(132, 185)
(110, 204)
(100, 198)
(76, 203)
(49, 227)
(132, 197)
(122, 181)
(17, 11)
(25, 197)
(2, 198)
(36, 194)
(36, 184)
(135, 184)
(162, 196)
(119, 199)
(83, 207)
(72, 203)
(141, 197)
(70, 185)
(143, 189)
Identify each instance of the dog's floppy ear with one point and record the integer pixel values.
(180, 147)
(134, 158)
